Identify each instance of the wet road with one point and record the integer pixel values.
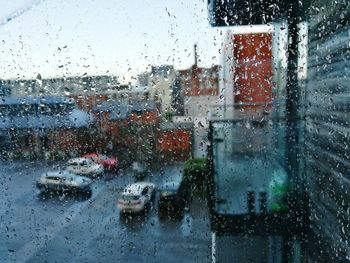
(73, 229)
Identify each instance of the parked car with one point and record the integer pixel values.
(136, 197)
(62, 181)
(110, 163)
(173, 196)
(84, 166)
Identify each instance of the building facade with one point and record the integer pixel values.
(48, 127)
(160, 81)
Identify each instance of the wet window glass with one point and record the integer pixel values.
(174, 131)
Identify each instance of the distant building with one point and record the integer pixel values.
(134, 111)
(134, 131)
(195, 93)
(5, 90)
(112, 122)
(85, 90)
(175, 141)
(170, 88)
(197, 81)
(143, 78)
(79, 85)
(160, 82)
(177, 102)
(195, 90)
(126, 125)
(37, 127)
(144, 112)
(249, 65)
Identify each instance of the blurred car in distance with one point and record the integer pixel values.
(85, 166)
(173, 197)
(139, 170)
(136, 197)
(63, 181)
(110, 163)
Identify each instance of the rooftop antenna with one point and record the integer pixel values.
(195, 55)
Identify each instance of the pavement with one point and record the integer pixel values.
(75, 229)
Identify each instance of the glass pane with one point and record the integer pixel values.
(174, 131)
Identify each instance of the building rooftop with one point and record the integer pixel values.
(15, 113)
(30, 100)
(75, 119)
(121, 110)
(142, 106)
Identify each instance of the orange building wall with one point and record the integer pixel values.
(253, 69)
(70, 142)
(174, 140)
(192, 82)
(175, 145)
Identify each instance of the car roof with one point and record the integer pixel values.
(63, 174)
(96, 155)
(59, 174)
(79, 160)
(89, 155)
(136, 188)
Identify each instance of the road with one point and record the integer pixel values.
(76, 229)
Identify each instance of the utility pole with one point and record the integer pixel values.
(293, 99)
(195, 55)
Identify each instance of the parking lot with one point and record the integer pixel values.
(65, 228)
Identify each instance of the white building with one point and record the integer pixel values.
(160, 82)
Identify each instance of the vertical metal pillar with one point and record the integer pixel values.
(292, 96)
(292, 121)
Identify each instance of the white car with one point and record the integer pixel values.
(60, 181)
(135, 197)
(84, 166)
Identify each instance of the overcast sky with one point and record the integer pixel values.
(120, 37)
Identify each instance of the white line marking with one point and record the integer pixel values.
(213, 247)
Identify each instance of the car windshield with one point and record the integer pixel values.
(130, 197)
(168, 192)
(56, 178)
(224, 125)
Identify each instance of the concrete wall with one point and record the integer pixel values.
(199, 106)
(200, 133)
(160, 83)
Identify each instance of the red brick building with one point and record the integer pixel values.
(252, 72)
(202, 83)
(175, 141)
(144, 112)
(43, 127)
(198, 81)
(125, 127)
(133, 132)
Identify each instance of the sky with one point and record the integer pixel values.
(113, 37)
